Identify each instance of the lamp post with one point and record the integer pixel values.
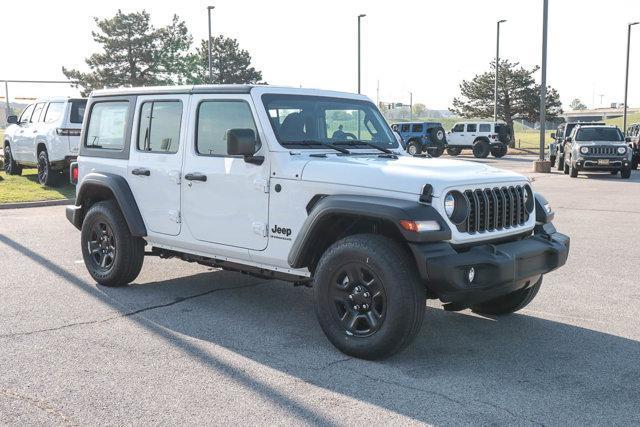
(209, 9)
(626, 77)
(543, 78)
(359, 18)
(495, 90)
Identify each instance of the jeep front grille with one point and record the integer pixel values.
(603, 150)
(492, 209)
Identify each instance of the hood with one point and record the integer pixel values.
(405, 174)
(612, 143)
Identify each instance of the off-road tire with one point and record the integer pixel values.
(47, 176)
(414, 148)
(435, 151)
(481, 149)
(573, 172)
(509, 303)
(437, 135)
(129, 250)
(552, 159)
(405, 295)
(559, 163)
(10, 165)
(454, 151)
(625, 173)
(499, 151)
(634, 162)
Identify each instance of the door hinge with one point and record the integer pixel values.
(260, 228)
(175, 216)
(261, 184)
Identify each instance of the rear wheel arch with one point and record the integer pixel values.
(98, 187)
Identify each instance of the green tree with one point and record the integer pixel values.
(419, 110)
(577, 104)
(229, 63)
(134, 53)
(518, 95)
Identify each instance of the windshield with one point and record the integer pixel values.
(303, 121)
(599, 134)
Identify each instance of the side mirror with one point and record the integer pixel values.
(553, 135)
(243, 142)
(12, 120)
(567, 139)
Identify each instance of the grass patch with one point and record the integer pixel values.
(25, 188)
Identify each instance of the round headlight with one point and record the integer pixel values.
(528, 198)
(584, 150)
(622, 150)
(449, 205)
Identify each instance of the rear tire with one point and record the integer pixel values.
(481, 149)
(499, 151)
(414, 148)
(454, 151)
(625, 173)
(509, 303)
(111, 254)
(559, 163)
(378, 267)
(10, 165)
(46, 176)
(436, 151)
(552, 159)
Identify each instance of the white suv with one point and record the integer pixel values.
(46, 136)
(311, 187)
(482, 137)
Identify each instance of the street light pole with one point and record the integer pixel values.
(543, 79)
(411, 106)
(495, 90)
(359, 18)
(209, 9)
(626, 78)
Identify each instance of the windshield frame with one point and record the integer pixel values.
(580, 129)
(267, 98)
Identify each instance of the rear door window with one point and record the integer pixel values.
(417, 128)
(471, 127)
(107, 125)
(159, 130)
(37, 112)
(485, 127)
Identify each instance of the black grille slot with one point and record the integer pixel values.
(493, 209)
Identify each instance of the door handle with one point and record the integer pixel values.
(141, 171)
(195, 176)
(35, 130)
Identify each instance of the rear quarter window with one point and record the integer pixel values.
(76, 114)
(107, 125)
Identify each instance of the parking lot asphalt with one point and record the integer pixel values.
(188, 344)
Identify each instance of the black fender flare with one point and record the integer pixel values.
(370, 207)
(123, 196)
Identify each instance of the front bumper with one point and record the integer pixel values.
(593, 164)
(499, 268)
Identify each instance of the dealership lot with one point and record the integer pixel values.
(190, 344)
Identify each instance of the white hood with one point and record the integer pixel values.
(405, 174)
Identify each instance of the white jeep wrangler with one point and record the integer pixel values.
(311, 187)
(46, 136)
(480, 137)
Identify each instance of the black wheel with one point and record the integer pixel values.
(47, 176)
(414, 148)
(559, 163)
(369, 299)
(499, 151)
(437, 135)
(634, 162)
(10, 166)
(573, 172)
(625, 173)
(552, 159)
(481, 149)
(509, 303)
(565, 168)
(454, 151)
(111, 254)
(435, 151)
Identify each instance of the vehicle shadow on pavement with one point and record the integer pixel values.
(461, 369)
(514, 369)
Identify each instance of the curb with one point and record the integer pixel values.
(38, 204)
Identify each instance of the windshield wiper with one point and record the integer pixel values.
(367, 143)
(316, 142)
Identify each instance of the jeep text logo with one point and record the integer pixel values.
(281, 230)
